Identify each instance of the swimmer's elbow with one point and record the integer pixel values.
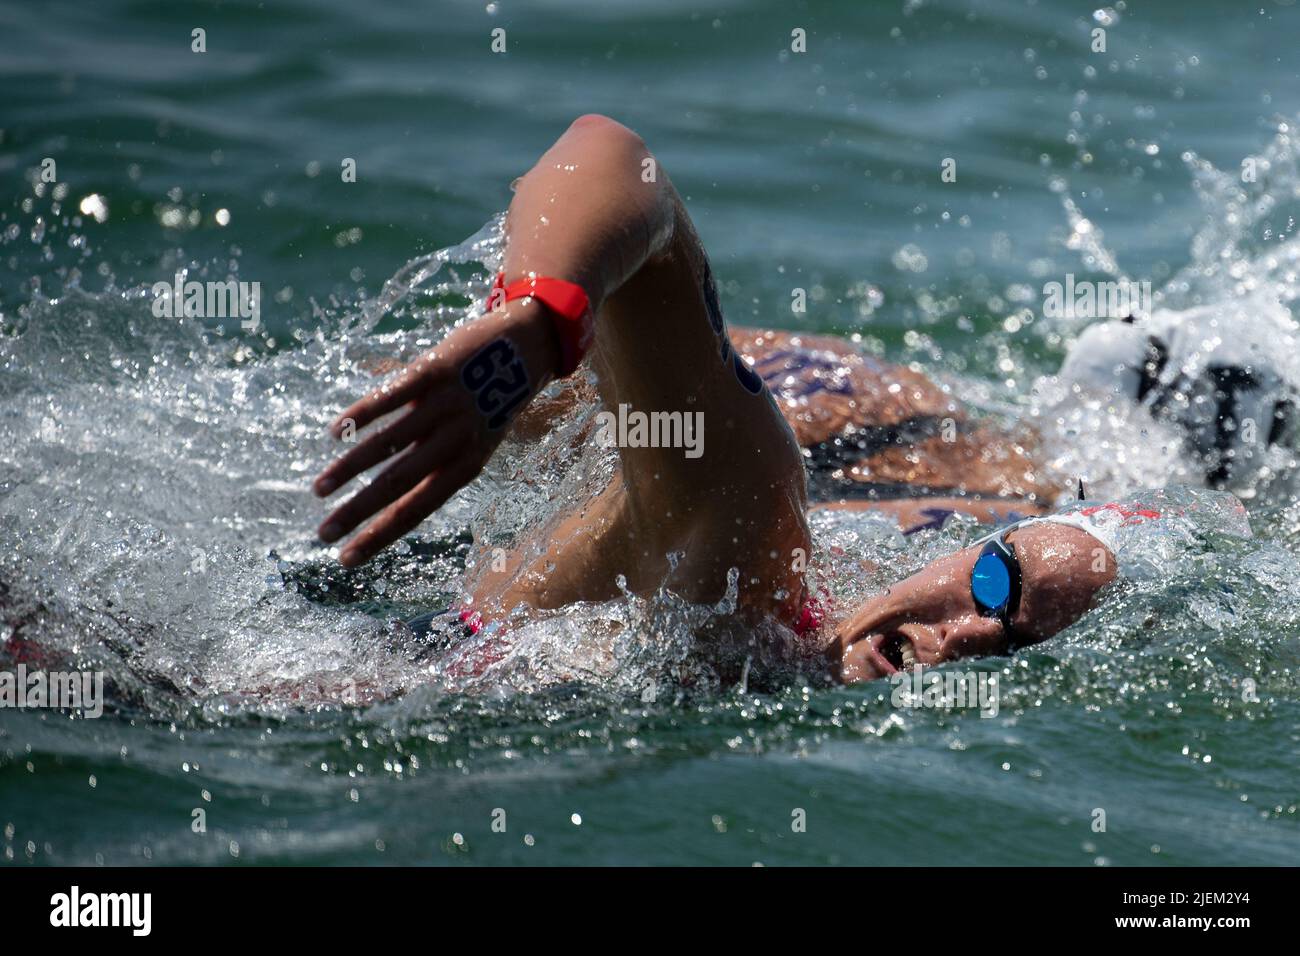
(617, 164)
(613, 151)
(597, 124)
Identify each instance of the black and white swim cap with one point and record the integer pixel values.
(1223, 378)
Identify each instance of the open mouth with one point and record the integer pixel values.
(897, 648)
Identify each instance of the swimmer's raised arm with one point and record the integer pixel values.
(583, 214)
(596, 211)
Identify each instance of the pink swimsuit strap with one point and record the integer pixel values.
(811, 616)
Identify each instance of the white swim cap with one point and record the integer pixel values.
(1222, 374)
(1150, 529)
(1104, 522)
(1109, 357)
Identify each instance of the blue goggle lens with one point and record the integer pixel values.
(990, 582)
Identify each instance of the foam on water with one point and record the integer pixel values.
(155, 514)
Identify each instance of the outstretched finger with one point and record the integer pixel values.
(405, 515)
(388, 397)
(389, 485)
(383, 444)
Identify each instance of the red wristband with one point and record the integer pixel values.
(569, 308)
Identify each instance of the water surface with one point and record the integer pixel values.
(155, 518)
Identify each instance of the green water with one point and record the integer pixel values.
(130, 447)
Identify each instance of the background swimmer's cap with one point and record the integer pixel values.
(1109, 357)
(1227, 375)
(1146, 531)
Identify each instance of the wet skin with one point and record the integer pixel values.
(931, 617)
(585, 214)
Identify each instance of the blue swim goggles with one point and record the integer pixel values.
(995, 582)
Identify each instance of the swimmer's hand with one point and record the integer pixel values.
(458, 399)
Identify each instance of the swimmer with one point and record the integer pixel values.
(602, 264)
(1211, 371)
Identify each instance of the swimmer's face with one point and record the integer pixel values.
(931, 617)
